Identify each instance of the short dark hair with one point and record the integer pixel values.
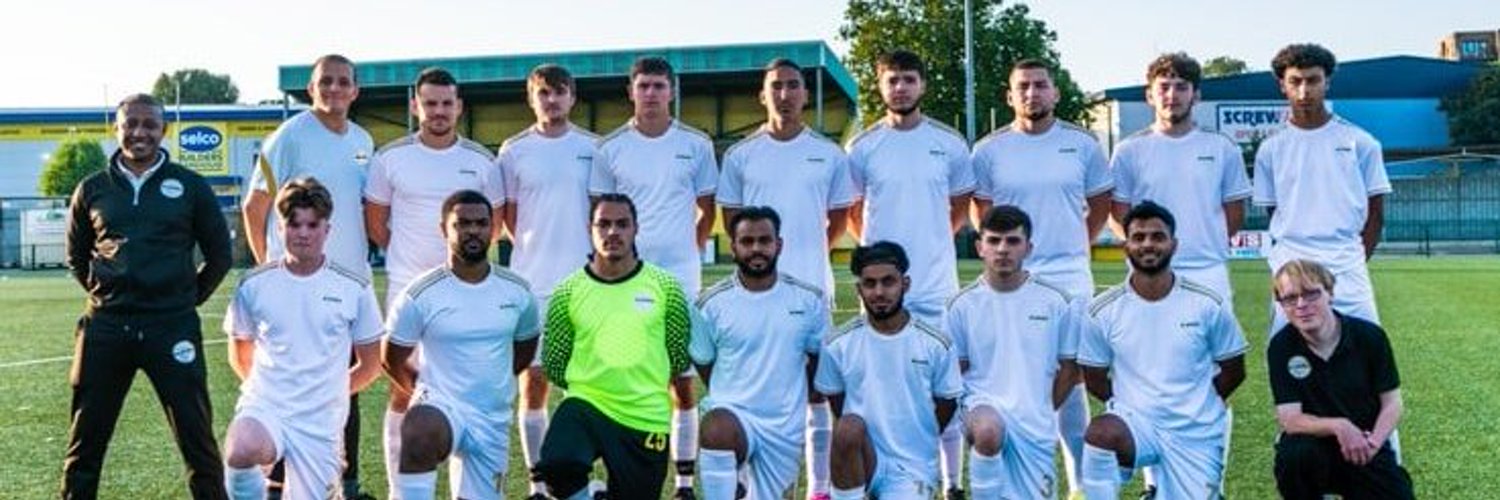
(613, 198)
(880, 252)
(782, 62)
(304, 192)
(550, 75)
(1175, 64)
(340, 59)
(1303, 55)
(465, 197)
(901, 60)
(141, 100)
(755, 213)
(651, 65)
(435, 76)
(1147, 210)
(1031, 63)
(1002, 218)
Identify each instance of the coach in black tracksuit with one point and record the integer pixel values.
(132, 230)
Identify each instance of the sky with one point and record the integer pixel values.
(64, 53)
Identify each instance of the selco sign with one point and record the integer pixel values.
(203, 148)
(1248, 123)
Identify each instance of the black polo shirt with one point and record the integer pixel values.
(1348, 384)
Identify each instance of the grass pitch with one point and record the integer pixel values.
(1442, 316)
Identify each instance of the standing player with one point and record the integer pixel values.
(912, 173)
(669, 169)
(1044, 165)
(617, 334)
(134, 230)
(409, 181)
(292, 324)
(756, 345)
(1016, 336)
(1337, 393)
(1198, 175)
(804, 177)
(1165, 353)
(470, 318)
(546, 173)
(1323, 180)
(324, 144)
(893, 381)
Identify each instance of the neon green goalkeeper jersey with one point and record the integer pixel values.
(617, 344)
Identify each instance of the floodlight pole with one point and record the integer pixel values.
(969, 70)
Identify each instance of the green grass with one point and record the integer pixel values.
(1441, 314)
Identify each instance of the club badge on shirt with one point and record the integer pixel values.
(1298, 367)
(172, 188)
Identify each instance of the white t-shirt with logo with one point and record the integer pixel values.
(1163, 355)
(547, 180)
(907, 179)
(303, 147)
(304, 328)
(467, 334)
(758, 344)
(1014, 342)
(1320, 182)
(664, 176)
(414, 180)
(802, 179)
(891, 382)
(1193, 176)
(1050, 176)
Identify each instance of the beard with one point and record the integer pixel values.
(878, 315)
(751, 272)
(906, 111)
(1178, 119)
(1037, 116)
(1162, 264)
(473, 255)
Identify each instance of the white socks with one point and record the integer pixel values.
(685, 445)
(849, 494)
(245, 484)
(418, 486)
(951, 450)
(819, 438)
(720, 473)
(1102, 473)
(984, 476)
(1072, 421)
(533, 429)
(391, 440)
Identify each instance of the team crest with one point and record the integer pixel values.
(1298, 367)
(171, 188)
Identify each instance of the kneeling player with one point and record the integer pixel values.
(1164, 353)
(1016, 337)
(762, 331)
(899, 378)
(293, 324)
(477, 326)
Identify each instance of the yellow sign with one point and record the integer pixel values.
(202, 147)
(54, 131)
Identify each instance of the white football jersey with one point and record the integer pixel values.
(1049, 175)
(907, 178)
(1193, 176)
(303, 147)
(802, 179)
(547, 180)
(466, 335)
(1319, 182)
(891, 382)
(304, 328)
(413, 180)
(664, 176)
(1163, 355)
(1013, 343)
(758, 344)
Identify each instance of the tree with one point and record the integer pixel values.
(934, 29)
(74, 159)
(198, 87)
(1223, 66)
(1471, 113)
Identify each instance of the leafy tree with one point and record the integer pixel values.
(934, 29)
(74, 159)
(1223, 66)
(198, 87)
(1471, 113)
